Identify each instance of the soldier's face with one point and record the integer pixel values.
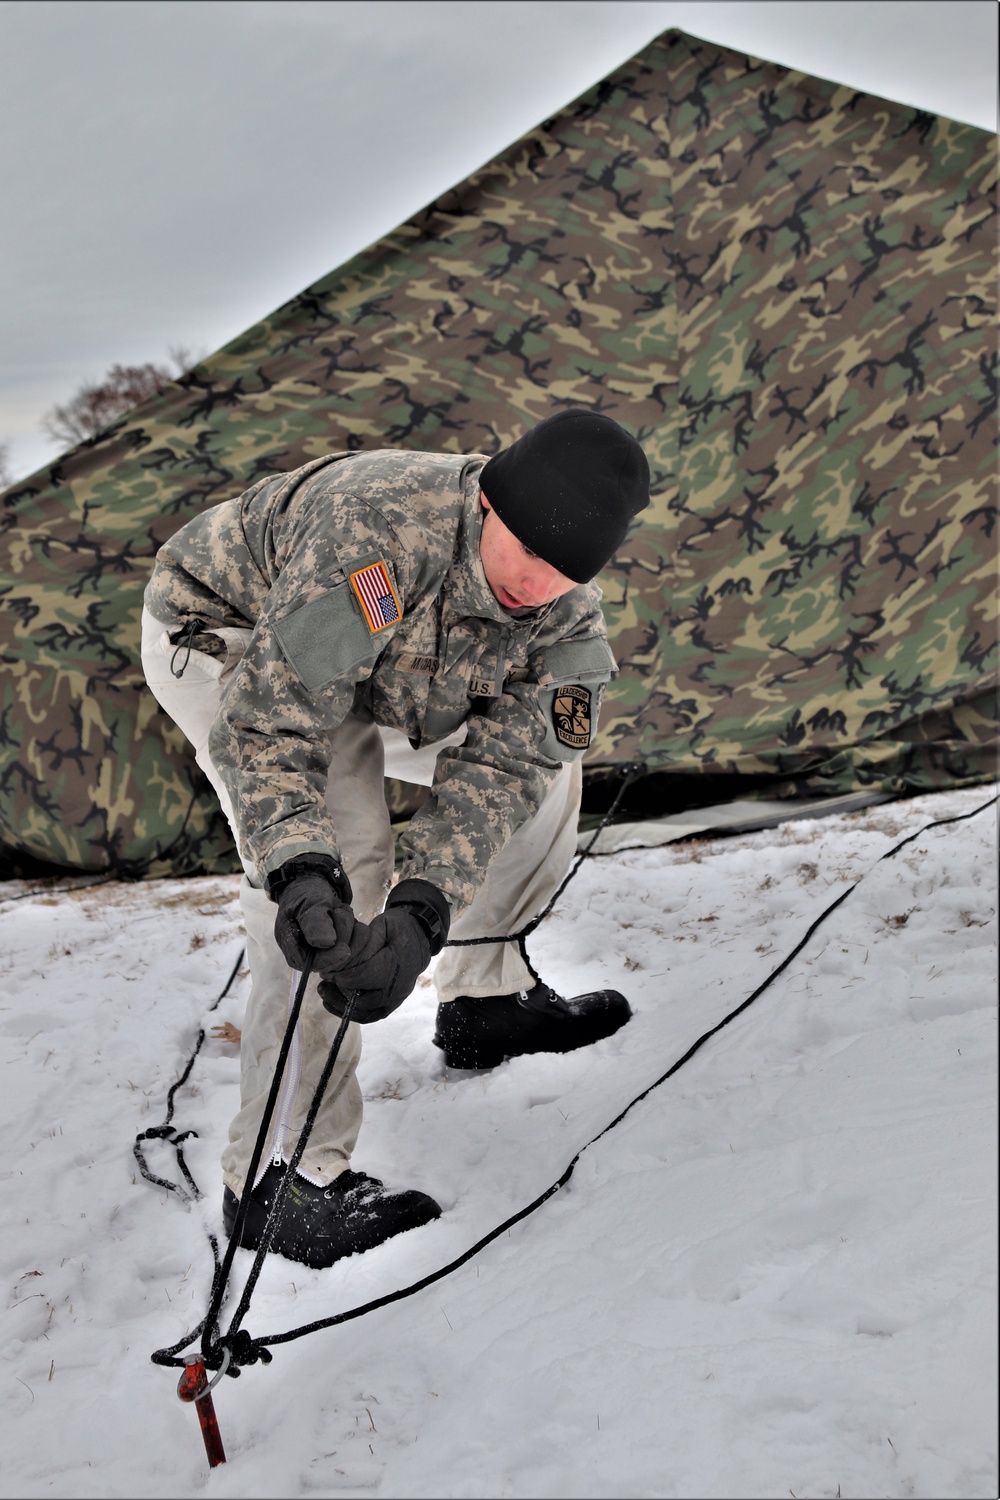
(518, 578)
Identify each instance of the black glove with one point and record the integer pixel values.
(391, 954)
(314, 918)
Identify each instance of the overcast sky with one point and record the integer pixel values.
(171, 170)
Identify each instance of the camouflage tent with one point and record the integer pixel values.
(784, 287)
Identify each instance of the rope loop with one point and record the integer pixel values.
(183, 642)
(174, 1138)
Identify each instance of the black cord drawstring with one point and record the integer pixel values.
(183, 641)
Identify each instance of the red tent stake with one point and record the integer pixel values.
(193, 1386)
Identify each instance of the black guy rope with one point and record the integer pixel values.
(189, 1191)
(629, 773)
(63, 890)
(238, 1348)
(166, 1131)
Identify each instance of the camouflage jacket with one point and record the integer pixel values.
(361, 579)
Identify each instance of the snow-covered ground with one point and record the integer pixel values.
(776, 1276)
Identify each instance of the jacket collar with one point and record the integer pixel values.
(466, 586)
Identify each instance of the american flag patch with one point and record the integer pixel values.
(378, 599)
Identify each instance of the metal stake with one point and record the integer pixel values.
(194, 1386)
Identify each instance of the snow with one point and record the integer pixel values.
(776, 1275)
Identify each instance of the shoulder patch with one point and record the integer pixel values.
(378, 599)
(571, 716)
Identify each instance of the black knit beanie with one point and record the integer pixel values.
(568, 489)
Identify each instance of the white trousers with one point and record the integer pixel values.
(521, 880)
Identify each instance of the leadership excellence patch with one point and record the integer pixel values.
(571, 716)
(378, 599)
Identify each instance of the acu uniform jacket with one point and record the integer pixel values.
(360, 577)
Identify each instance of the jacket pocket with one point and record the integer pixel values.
(325, 640)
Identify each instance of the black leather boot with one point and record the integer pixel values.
(320, 1225)
(481, 1033)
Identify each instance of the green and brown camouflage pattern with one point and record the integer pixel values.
(785, 288)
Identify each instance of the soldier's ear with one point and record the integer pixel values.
(486, 503)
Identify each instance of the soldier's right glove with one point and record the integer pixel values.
(391, 953)
(314, 918)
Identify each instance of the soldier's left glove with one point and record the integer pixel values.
(398, 947)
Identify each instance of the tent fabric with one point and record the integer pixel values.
(783, 287)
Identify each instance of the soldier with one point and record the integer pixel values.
(421, 615)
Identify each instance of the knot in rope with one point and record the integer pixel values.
(242, 1350)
